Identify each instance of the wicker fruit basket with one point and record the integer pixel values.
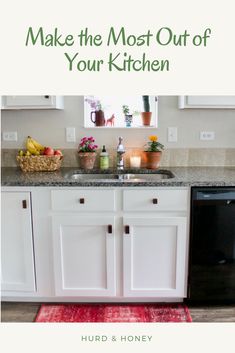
(39, 163)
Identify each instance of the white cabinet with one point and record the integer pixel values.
(95, 244)
(17, 255)
(154, 200)
(84, 255)
(83, 200)
(32, 102)
(207, 102)
(154, 256)
(153, 230)
(155, 242)
(84, 242)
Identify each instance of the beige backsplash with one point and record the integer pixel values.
(171, 157)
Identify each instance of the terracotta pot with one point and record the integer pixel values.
(153, 160)
(86, 159)
(146, 118)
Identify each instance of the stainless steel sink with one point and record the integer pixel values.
(117, 178)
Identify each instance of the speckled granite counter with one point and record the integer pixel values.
(184, 176)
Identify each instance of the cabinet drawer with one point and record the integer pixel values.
(155, 200)
(83, 200)
(32, 102)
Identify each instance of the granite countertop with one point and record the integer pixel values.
(184, 176)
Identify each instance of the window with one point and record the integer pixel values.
(118, 111)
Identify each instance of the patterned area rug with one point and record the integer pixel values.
(113, 313)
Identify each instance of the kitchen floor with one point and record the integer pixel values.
(26, 312)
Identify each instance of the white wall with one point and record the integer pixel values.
(48, 127)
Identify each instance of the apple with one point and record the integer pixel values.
(58, 153)
(48, 151)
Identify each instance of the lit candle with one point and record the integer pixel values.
(135, 161)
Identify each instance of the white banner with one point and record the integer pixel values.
(77, 47)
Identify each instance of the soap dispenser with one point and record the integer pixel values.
(104, 159)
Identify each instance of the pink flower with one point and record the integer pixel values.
(87, 144)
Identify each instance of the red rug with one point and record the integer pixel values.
(113, 313)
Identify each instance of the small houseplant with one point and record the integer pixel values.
(146, 114)
(87, 152)
(153, 152)
(128, 116)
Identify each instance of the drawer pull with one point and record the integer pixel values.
(155, 201)
(24, 203)
(82, 200)
(47, 97)
(110, 229)
(127, 229)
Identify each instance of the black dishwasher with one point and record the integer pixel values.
(212, 245)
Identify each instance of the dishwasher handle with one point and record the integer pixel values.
(214, 195)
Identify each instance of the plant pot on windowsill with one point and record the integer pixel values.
(146, 118)
(97, 117)
(146, 114)
(128, 120)
(127, 116)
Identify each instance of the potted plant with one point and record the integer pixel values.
(97, 113)
(128, 116)
(87, 152)
(146, 114)
(153, 152)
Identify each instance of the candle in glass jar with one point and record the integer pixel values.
(135, 161)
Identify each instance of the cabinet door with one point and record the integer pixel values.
(205, 102)
(32, 102)
(17, 260)
(84, 255)
(154, 257)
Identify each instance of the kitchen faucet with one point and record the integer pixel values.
(120, 154)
